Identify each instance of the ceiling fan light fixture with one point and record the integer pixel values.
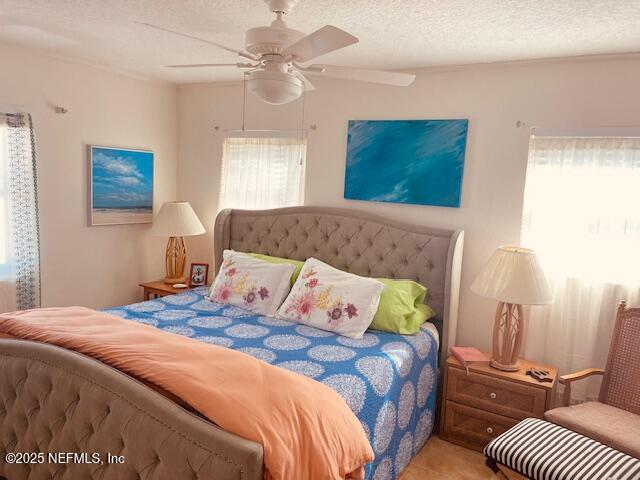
(274, 87)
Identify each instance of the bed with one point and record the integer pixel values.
(389, 381)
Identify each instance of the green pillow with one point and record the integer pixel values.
(296, 263)
(401, 309)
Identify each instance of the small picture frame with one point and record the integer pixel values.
(198, 274)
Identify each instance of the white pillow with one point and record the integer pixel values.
(330, 299)
(250, 283)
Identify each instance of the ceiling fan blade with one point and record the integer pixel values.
(308, 86)
(325, 40)
(374, 76)
(204, 40)
(198, 65)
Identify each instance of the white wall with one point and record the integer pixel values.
(585, 92)
(91, 266)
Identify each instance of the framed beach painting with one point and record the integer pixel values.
(406, 161)
(120, 186)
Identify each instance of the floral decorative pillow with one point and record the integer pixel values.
(327, 298)
(247, 282)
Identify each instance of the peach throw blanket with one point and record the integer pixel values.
(306, 429)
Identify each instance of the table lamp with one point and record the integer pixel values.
(176, 220)
(513, 276)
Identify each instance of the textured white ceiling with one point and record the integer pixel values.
(394, 34)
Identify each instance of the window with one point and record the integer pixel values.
(582, 206)
(262, 172)
(582, 216)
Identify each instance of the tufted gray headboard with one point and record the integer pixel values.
(356, 242)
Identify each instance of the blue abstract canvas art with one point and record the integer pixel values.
(406, 161)
(121, 186)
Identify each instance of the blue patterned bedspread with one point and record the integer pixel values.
(388, 380)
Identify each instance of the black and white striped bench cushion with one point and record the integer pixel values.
(545, 451)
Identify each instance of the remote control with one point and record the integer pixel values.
(539, 375)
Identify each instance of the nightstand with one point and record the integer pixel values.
(485, 402)
(159, 289)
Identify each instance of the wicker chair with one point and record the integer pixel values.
(615, 419)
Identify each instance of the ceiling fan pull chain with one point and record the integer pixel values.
(304, 101)
(244, 97)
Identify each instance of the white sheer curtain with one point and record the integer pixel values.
(262, 172)
(582, 216)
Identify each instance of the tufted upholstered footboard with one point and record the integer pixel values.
(56, 401)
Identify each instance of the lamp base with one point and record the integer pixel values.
(505, 368)
(176, 257)
(508, 336)
(172, 281)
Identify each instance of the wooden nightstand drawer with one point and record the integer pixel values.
(490, 394)
(473, 428)
(485, 402)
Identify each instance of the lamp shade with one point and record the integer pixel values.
(513, 275)
(177, 219)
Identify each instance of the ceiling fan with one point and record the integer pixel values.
(276, 55)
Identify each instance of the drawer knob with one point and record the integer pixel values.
(489, 430)
(493, 396)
